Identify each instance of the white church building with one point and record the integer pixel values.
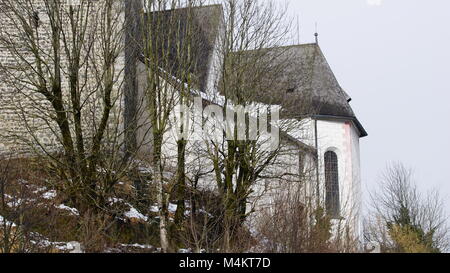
(327, 134)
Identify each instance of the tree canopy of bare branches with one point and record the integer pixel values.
(64, 71)
(402, 218)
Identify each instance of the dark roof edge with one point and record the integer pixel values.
(359, 126)
(184, 8)
(276, 47)
(300, 144)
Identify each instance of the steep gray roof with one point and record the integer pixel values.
(305, 85)
(306, 75)
(327, 95)
(172, 28)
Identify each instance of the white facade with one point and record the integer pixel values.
(342, 137)
(334, 133)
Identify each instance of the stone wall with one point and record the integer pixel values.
(27, 116)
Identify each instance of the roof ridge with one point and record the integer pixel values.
(277, 47)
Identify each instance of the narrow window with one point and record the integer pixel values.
(332, 184)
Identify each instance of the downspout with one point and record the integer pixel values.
(316, 48)
(317, 164)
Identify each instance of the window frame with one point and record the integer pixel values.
(332, 185)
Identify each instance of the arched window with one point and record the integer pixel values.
(332, 184)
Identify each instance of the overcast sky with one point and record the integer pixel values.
(393, 58)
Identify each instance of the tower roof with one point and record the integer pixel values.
(306, 85)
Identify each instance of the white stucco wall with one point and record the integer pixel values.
(342, 138)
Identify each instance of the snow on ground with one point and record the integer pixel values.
(42, 242)
(154, 209)
(15, 203)
(39, 190)
(67, 247)
(73, 211)
(132, 213)
(133, 248)
(115, 200)
(8, 223)
(172, 208)
(135, 214)
(138, 246)
(49, 195)
(202, 211)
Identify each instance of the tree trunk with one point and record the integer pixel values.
(181, 183)
(162, 199)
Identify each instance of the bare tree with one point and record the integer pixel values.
(168, 57)
(245, 66)
(65, 71)
(291, 222)
(402, 219)
(21, 210)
